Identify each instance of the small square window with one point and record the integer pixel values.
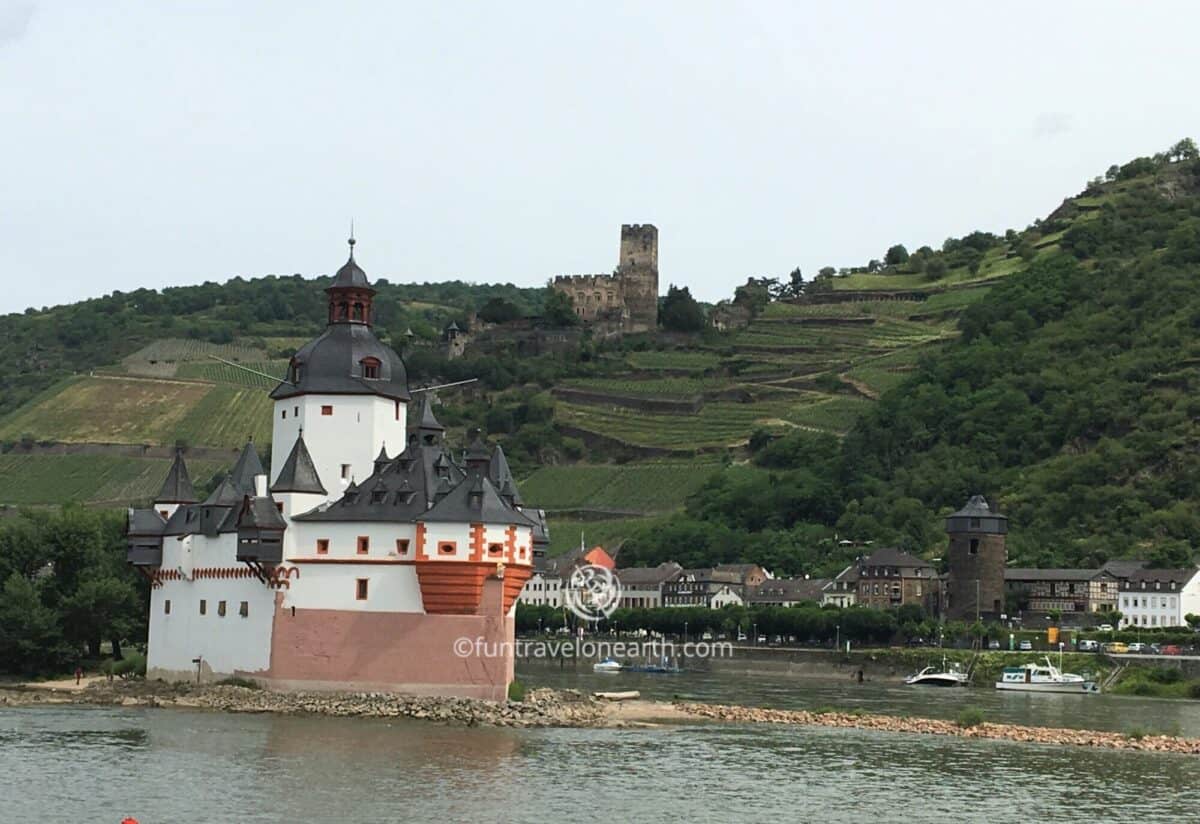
(447, 548)
(244, 609)
(167, 607)
(364, 544)
(402, 546)
(203, 607)
(360, 589)
(164, 514)
(326, 410)
(322, 546)
(221, 609)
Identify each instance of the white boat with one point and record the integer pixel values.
(947, 676)
(1044, 678)
(607, 665)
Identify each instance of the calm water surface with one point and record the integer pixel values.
(98, 764)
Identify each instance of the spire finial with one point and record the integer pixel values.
(351, 241)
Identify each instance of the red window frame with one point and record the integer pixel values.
(327, 409)
(364, 544)
(322, 546)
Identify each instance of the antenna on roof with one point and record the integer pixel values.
(251, 371)
(441, 386)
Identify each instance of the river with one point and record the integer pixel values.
(98, 764)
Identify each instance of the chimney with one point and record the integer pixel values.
(260, 486)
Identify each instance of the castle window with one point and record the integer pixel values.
(370, 368)
(358, 311)
(327, 410)
(296, 371)
(279, 506)
(295, 411)
(343, 311)
(974, 548)
(221, 609)
(322, 546)
(360, 589)
(402, 546)
(283, 415)
(495, 550)
(167, 607)
(163, 513)
(397, 409)
(244, 609)
(203, 607)
(364, 544)
(345, 471)
(447, 548)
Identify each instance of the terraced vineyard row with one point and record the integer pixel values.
(658, 486)
(692, 361)
(224, 373)
(100, 479)
(651, 387)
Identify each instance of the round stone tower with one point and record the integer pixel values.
(977, 558)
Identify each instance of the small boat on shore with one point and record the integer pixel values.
(1044, 678)
(607, 665)
(951, 675)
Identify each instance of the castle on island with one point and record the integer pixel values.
(367, 555)
(627, 300)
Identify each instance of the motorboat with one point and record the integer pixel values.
(664, 665)
(607, 665)
(1044, 678)
(951, 675)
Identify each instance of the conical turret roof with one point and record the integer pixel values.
(299, 473)
(248, 465)
(177, 487)
(501, 476)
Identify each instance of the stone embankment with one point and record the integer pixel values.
(932, 726)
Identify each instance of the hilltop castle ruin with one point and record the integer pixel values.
(626, 300)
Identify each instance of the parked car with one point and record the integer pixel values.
(1105, 627)
(1089, 645)
(1170, 649)
(993, 644)
(1115, 648)
(1025, 646)
(1137, 648)
(916, 641)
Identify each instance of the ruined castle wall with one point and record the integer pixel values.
(593, 295)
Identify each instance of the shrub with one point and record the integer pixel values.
(970, 717)
(1193, 690)
(516, 691)
(1137, 733)
(1166, 675)
(133, 665)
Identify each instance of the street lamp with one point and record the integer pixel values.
(754, 629)
(685, 632)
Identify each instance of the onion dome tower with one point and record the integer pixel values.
(977, 558)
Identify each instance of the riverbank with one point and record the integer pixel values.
(562, 708)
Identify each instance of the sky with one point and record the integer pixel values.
(167, 143)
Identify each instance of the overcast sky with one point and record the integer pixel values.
(155, 144)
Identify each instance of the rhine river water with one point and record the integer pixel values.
(98, 764)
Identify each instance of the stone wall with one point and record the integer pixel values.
(985, 566)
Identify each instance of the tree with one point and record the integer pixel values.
(680, 312)
(755, 294)
(935, 269)
(896, 255)
(558, 308)
(499, 310)
(795, 284)
(1184, 150)
(1112, 172)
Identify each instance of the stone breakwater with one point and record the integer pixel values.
(932, 726)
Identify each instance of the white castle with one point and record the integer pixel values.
(324, 581)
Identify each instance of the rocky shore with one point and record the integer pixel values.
(557, 708)
(933, 726)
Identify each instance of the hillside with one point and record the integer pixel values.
(944, 372)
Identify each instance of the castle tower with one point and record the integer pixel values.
(638, 273)
(346, 390)
(977, 559)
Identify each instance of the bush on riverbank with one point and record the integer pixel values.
(970, 717)
(1156, 682)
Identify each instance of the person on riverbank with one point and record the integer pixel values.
(78, 675)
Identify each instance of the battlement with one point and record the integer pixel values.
(587, 281)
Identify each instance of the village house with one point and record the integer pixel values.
(1159, 597)
(842, 591)
(642, 587)
(890, 578)
(723, 585)
(550, 575)
(1067, 590)
(787, 592)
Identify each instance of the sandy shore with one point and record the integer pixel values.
(551, 708)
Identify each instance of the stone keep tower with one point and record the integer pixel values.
(638, 273)
(977, 558)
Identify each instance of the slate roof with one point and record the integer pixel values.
(427, 421)
(332, 365)
(299, 473)
(1159, 576)
(892, 557)
(475, 500)
(144, 522)
(248, 465)
(1123, 568)
(648, 576)
(259, 513)
(501, 476)
(778, 590)
(1035, 574)
(978, 507)
(177, 486)
(351, 275)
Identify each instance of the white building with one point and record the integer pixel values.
(1159, 597)
(355, 568)
(842, 591)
